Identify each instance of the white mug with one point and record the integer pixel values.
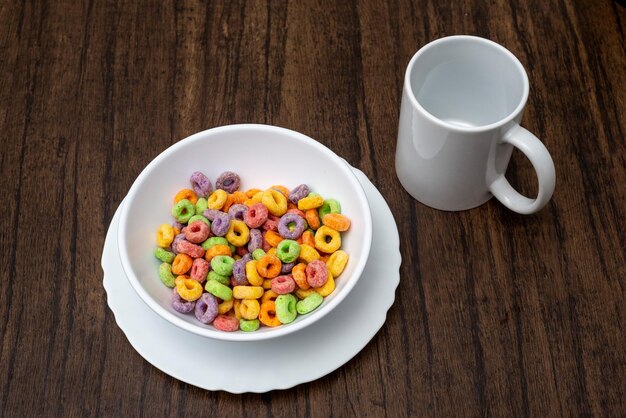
(462, 102)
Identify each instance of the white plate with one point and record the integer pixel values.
(235, 366)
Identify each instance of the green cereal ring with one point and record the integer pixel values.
(165, 274)
(286, 308)
(164, 255)
(329, 206)
(313, 194)
(249, 325)
(308, 304)
(183, 210)
(223, 264)
(218, 290)
(233, 249)
(199, 218)
(219, 278)
(201, 205)
(213, 241)
(288, 251)
(258, 254)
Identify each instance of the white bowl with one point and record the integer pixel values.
(263, 156)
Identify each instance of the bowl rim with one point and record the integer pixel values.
(240, 335)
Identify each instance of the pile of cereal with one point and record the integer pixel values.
(241, 259)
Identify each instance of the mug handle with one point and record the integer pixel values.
(540, 158)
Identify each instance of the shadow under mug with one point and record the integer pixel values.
(462, 102)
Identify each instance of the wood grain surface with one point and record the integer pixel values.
(497, 314)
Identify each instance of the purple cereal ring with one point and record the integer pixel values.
(298, 192)
(197, 232)
(316, 273)
(256, 240)
(201, 184)
(177, 225)
(287, 267)
(200, 269)
(226, 323)
(256, 215)
(271, 224)
(192, 250)
(177, 239)
(228, 181)
(239, 272)
(181, 305)
(283, 284)
(206, 308)
(220, 224)
(210, 214)
(284, 228)
(238, 212)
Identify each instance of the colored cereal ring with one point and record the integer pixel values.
(282, 189)
(238, 233)
(241, 251)
(165, 274)
(213, 241)
(197, 232)
(296, 211)
(308, 253)
(239, 272)
(272, 238)
(199, 269)
(201, 205)
(164, 255)
(236, 306)
(288, 251)
(177, 239)
(308, 238)
(221, 224)
(275, 202)
(249, 309)
(312, 218)
(271, 224)
(329, 206)
(337, 262)
(258, 254)
(286, 308)
(268, 266)
(179, 304)
(192, 250)
(230, 200)
(336, 221)
(304, 293)
(269, 295)
(327, 239)
(267, 284)
(310, 202)
(165, 235)
(256, 215)
(299, 192)
(210, 214)
(267, 314)
(316, 273)
(238, 212)
(226, 323)
(309, 303)
(216, 250)
(225, 280)
(222, 264)
(287, 267)
(183, 210)
(252, 274)
(186, 194)
(177, 226)
(283, 285)
(228, 181)
(299, 276)
(239, 197)
(182, 264)
(201, 184)
(225, 306)
(256, 240)
(216, 200)
(199, 218)
(189, 289)
(251, 192)
(328, 287)
(206, 308)
(249, 325)
(218, 289)
(291, 226)
(247, 292)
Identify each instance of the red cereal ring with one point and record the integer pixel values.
(282, 285)
(190, 249)
(196, 232)
(316, 273)
(199, 269)
(256, 215)
(226, 323)
(271, 224)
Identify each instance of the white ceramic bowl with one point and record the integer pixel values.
(263, 156)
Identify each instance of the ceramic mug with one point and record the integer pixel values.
(462, 102)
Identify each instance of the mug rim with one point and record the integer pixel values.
(458, 128)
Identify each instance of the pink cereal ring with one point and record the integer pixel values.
(271, 224)
(197, 232)
(256, 215)
(199, 269)
(283, 284)
(316, 273)
(192, 250)
(297, 212)
(226, 323)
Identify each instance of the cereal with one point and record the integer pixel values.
(192, 250)
(287, 267)
(327, 239)
(336, 263)
(238, 233)
(282, 189)
(179, 304)
(291, 226)
(217, 200)
(213, 241)
(226, 323)
(238, 212)
(283, 284)
(197, 232)
(239, 272)
(199, 218)
(221, 224)
(299, 276)
(183, 210)
(288, 251)
(216, 250)
(252, 275)
(275, 202)
(164, 255)
(286, 308)
(312, 218)
(165, 274)
(206, 308)
(299, 192)
(256, 240)
(189, 289)
(271, 224)
(309, 303)
(310, 202)
(272, 238)
(219, 278)
(186, 194)
(225, 306)
(329, 206)
(328, 287)
(218, 289)
(199, 270)
(269, 295)
(268, 266)
(223, 264)
(177, 239)
(308, 238)
(267, 314)
(316, 273)
(249, 309)
(182, 264)
(256, 215)
(247, 292)
(201, 184)
(249, 325)
(336, 221)
(165, 235)
(308, 253)
(258, 254)
(228, 181)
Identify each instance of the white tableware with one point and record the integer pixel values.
(235, 367)
(462, 103)
(263, 156)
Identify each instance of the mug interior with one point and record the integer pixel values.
(468, 81)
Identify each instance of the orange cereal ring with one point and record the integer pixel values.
(249, 202)
(267, 284)
(291, 205)
(182, 264)
(308, 238)
(219, 249)
(272, 238)
(269, 295)
(239, 197)
(299, 276)
(230, 200)
(225, 306)
(251, 192)
(282, 189)
(312, 218)
(186, 194)
(267, 314)
(268, 266)
(336, 221)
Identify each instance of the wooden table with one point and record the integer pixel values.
(497, 314)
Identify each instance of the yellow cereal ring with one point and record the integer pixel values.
(282, 189)
(310, 202)
(251, 192)
(249, 309)
(328, 287)
(225, 306)
(327, 239)
(165, 235)
(269, 295)
(249, 202)
(238, 233)
(257, 197)
(252, 274)
(275, 202)
(217, 199)
(271, 251)
(303, 293)
(189, 289)
(186, 194)
(180, 279)
(337, 262)
(308, 253)
(247, 292)
(236, 306)
(267, 284)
